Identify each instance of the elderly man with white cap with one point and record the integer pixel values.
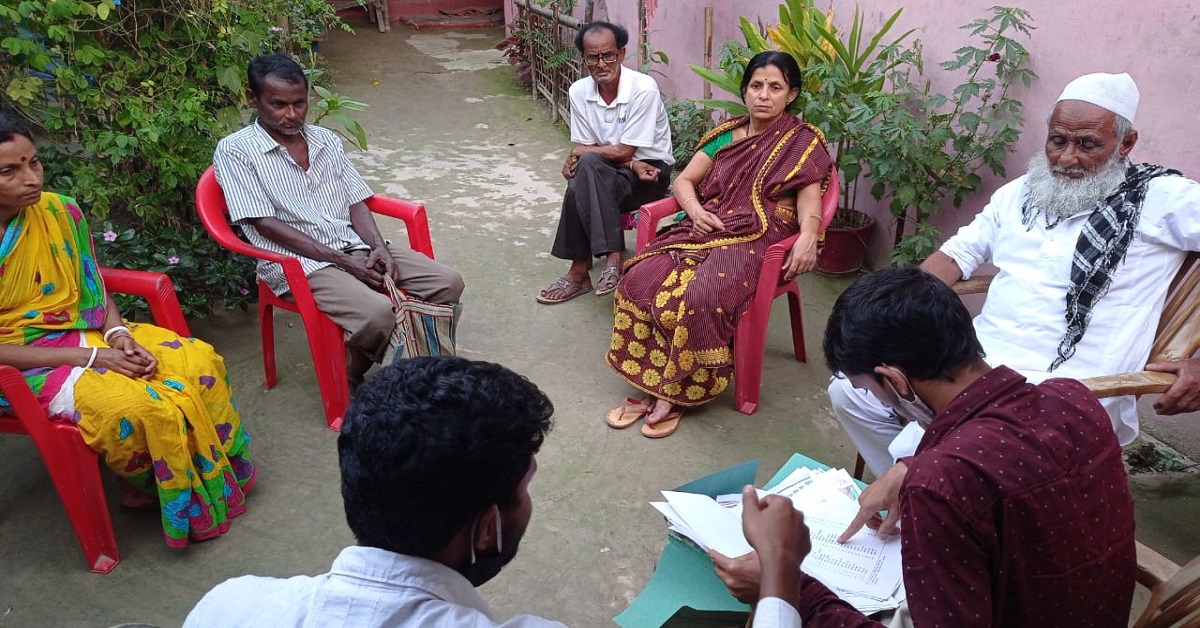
(1085, 245)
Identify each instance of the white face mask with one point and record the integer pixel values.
(915, 410)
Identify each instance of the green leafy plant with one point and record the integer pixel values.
(843, 73)
(205, 275)
(689, 122)
(922, 146)
(128, 102)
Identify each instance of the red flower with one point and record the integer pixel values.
(995, 56)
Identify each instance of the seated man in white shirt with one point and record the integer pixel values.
(436, 457)
(621, 160)
(1085, 245)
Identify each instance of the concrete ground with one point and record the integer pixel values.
(448, 126)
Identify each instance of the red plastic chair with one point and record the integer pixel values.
(750, 337)
(71, 463)
(326, 341)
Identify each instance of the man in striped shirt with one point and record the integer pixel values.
(292, 190)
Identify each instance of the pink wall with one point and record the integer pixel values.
(1155, 42)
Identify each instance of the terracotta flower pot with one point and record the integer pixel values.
(845, 242)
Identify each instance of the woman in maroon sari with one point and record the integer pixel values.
(756, 180)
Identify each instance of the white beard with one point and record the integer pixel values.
(1058, 197)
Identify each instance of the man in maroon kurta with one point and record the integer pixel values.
(1015, 509)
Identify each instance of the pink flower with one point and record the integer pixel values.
(244, 291)
(172, 260)
(110, 236)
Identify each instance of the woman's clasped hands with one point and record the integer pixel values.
(127, 357)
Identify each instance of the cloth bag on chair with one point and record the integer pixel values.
(422, 328)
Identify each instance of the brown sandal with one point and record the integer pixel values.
(625, 415)
(565, 289)
(665, 427)
(608, 280)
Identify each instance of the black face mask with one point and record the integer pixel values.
(483, 568)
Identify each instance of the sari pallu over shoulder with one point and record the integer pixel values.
(50, 284)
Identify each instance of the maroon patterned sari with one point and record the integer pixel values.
(680, 298)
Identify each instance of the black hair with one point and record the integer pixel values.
(12, 126)
(429, 443)
(782, 60)
(619, 32)
(278, 65)
(901, 317)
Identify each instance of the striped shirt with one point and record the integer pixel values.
(261, 180)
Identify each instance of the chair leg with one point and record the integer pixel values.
(266, 324)
(860, 465)
(329, 361)
(797, 324)
(749, 343)
(74, 470)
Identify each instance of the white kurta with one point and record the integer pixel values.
(1023, 318)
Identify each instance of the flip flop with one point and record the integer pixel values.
(665, 427)
(569, 290)
(631, 412)
(608, 280)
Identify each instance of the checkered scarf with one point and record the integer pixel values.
(1101, 247)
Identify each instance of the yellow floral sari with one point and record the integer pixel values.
(177, 435)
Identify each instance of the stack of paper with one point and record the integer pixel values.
(865, 571)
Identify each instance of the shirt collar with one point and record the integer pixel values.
(624, 87)
(969, 403)
(265, 143)
(436, 579)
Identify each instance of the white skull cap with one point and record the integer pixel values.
(1114, 92)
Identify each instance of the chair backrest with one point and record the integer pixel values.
(214, 212)
(1178, 333)
(1175, 602)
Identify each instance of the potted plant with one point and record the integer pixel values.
(921, 147)
(842, 79)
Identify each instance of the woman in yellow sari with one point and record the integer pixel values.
(154, 405)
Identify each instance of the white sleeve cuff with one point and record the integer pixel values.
(773, 612)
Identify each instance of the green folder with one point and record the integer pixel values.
(684, 590)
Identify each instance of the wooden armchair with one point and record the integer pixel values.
(1174, 591)
(1177, 337)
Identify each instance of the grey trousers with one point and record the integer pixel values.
(590, 222)
(366, 315)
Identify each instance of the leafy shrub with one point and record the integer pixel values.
(129, 100)
(205, 275)
(689, 122)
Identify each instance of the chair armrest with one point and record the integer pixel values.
(1153, 568)
(1138, 383)
(158, 291)
(974, 285)
(416, 220)
(648, 217)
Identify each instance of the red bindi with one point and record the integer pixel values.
(24, 159)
